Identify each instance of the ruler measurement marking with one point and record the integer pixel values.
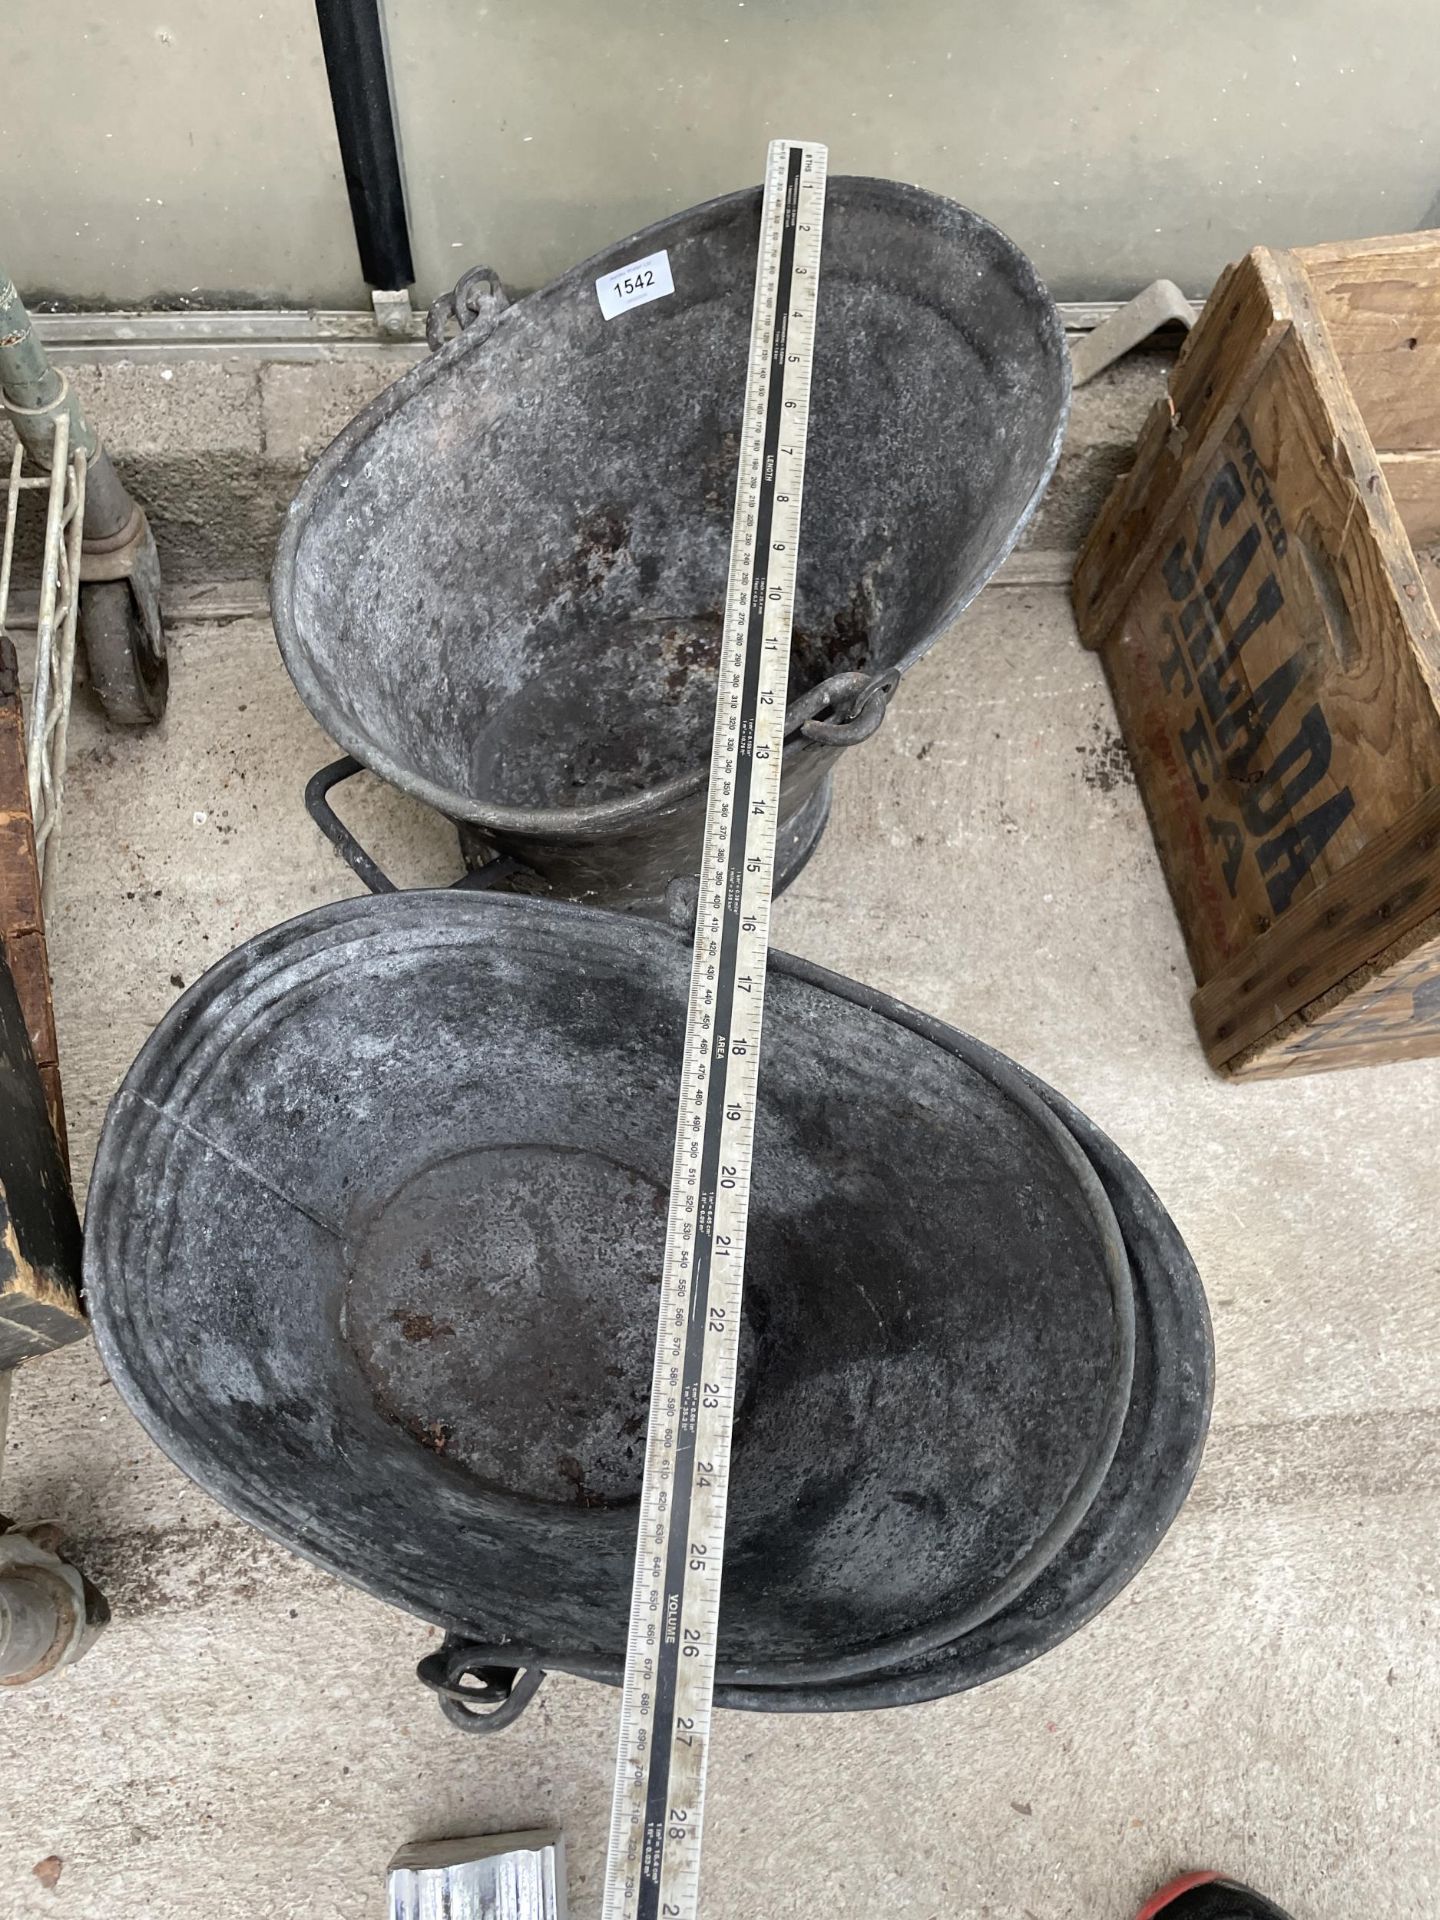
(653, 1867)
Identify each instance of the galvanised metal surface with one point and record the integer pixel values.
(503, 1876)
(374, 1241)
(502, 585)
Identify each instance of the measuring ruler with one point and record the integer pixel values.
(653, 1868)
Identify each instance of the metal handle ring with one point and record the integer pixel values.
(474, 1694)
(477, 295)
(857, 701)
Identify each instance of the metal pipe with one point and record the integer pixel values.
(353, 38)
(110, 513)
(34, 391)
(13, 489)
(27, 376)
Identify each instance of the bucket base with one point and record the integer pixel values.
(798, 838)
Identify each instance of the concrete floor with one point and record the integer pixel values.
(247, 1739)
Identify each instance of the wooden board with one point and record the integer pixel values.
(1367, 915)
(39, 1232)
(1385, 1010)
(1414, 483)
(22, 925)
(1381, 303)
(1275, 659)
(1218, 365)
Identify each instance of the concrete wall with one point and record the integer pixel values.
(1115, 139)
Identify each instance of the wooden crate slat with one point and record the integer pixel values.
(1217, 367)
(1381, 302)
(1414, 483)
(1387, 580)
(30, 970)
(40, 1244)
(1387, 1009)
(1365, 909)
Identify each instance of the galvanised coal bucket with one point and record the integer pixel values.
(502, 587)
(374, 1249)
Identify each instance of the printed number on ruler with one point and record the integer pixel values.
(652, 1872)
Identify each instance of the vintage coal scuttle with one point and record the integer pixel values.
(502, 587)
(374, 1248)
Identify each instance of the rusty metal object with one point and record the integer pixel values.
(502, 587)
(120, 616)
(474, 1694)
(50, 1614)
(477, 298)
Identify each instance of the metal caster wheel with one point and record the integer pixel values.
(126, 653)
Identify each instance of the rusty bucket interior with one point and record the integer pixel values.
(502, 587)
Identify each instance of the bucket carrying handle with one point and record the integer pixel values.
(478, 296)
(317, 805)
(853, 706)
(859, 702)
(474, 1694)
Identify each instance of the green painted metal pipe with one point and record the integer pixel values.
(33, 390)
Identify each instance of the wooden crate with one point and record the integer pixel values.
(1257, 588)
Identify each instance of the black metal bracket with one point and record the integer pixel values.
(317, 804)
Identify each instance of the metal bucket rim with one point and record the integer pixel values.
(146, 1404)
(1006, 1646)
(603, 819)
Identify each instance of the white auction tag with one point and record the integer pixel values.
(633, 286)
